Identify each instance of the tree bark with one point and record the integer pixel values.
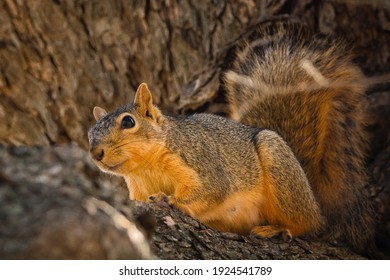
(62, 207)
(60, 58)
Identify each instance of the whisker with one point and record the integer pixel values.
(147, 160)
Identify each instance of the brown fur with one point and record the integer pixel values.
(219, 172)
(290, 203)
(305, 88)
(297, 171)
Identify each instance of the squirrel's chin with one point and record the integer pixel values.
(113, 169)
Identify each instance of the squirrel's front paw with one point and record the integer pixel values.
(158, 197)
(162, 197)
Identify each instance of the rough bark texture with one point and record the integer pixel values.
(55, 204)
(60, 58)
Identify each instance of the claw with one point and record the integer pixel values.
(270, 231)
(157, 197)
(162, 197)
(286, 236)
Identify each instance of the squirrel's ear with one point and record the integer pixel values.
(99, 113)
(144, 103)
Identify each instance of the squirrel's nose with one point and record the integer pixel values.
(97, 153)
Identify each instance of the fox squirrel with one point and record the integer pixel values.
(293, 166)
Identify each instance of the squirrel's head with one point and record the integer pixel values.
(127, 138)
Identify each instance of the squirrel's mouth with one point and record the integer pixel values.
(111, 168)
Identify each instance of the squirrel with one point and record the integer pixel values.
(290, 163)
(306, 88)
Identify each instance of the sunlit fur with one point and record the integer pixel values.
(219, 172)
(306, 88)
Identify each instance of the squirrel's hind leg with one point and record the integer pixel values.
(289, 206)
(270, 231)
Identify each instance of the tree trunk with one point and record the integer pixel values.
(62, 207)
(60, 58)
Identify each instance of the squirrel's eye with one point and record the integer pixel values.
(127, 122)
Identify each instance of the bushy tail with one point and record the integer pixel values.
(305, 88)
